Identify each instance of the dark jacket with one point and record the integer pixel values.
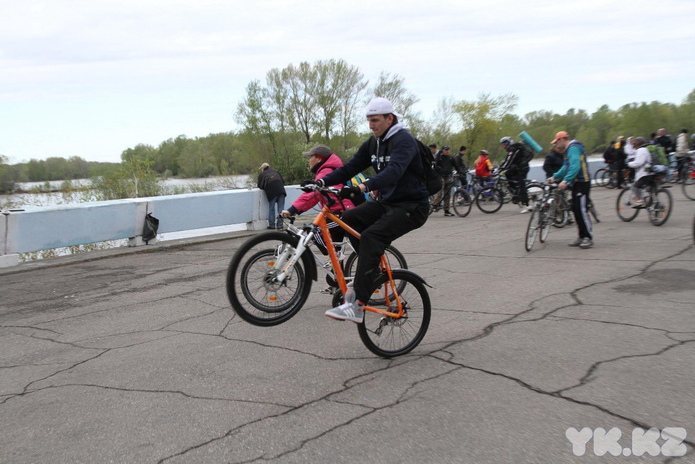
(667, 142)
(445, 164)
(272, 183)
(399, 172)
(460, 164)
(516, 158)
(553, 162)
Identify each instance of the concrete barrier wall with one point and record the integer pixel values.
(44, 228)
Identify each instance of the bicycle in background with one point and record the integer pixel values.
(658, 202)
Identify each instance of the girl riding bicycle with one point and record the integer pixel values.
(641, 163)
(322, 161)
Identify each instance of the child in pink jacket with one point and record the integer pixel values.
(321, 162)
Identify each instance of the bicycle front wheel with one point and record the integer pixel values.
(532, 229)
(545, 220)
(388, 336)
(625, 210)
(489, 200)
(253, 288)
(461, 203)
(660, 210)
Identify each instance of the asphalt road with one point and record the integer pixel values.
(560, 355)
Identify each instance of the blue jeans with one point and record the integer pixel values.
(279, 202)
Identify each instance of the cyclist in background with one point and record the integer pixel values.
(640, 163)
(516, 167)
(483, 167)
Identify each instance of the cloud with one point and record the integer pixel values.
(101, 76)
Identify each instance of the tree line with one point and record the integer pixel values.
(298, 106)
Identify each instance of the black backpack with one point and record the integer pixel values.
(526, 154)
(433, 180)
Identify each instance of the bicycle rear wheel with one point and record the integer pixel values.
(252, 286)
(489, 200)
(389, 336)
(599, 179)
(532, 228)
(624, 207)
(396, 261)
(611, 179)
(660, 210)
(561, 215)
(461, 202)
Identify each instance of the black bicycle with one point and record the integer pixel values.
(656, 200)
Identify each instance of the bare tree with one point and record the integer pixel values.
(393, 89)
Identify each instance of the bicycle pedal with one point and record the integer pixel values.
(329, 290)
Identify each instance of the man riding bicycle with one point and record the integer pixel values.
(402, 200)
(516, 167)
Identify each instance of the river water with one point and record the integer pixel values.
(48, 194)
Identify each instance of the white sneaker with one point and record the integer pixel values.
(528, 209)
(347, 312)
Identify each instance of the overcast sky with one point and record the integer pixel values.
(93, 78)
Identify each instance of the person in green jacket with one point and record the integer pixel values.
(574, 174)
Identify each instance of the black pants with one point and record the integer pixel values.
(517, 181)
(619, 166)
(682, 167)
(379, 224)
(580, 199)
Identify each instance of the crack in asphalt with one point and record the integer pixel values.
(441, 354)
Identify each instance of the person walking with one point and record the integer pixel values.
(272, 183)
(401, 205)
(574, 174)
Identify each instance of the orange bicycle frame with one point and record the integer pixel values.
(321, 223)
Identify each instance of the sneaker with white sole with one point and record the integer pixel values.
(527, 209)
(349, 311)
(586, 243)
(577, 242)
